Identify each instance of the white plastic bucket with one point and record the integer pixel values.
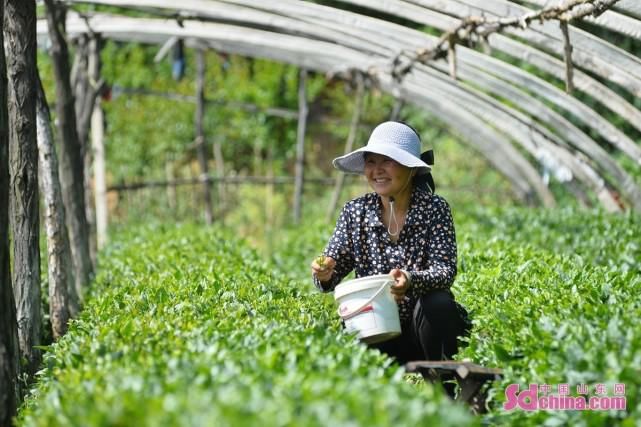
(368, 308)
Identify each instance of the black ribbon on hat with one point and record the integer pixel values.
(425, 181)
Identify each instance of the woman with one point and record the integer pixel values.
(403, 229)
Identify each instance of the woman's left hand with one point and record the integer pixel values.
(401, 286)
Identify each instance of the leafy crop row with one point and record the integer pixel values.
(552, 319)
(595, 236)
(554, 297)
(188, 327)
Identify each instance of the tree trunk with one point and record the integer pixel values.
(20, 31)
(71, 162)
(63, 302)
(9, 348)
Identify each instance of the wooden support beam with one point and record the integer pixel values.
(300, 144)
(200, 135)
(396, 109)
(353, 131)
(451, 58)
(171, 185)
(567, 50)
(219, 161)
(98, 148)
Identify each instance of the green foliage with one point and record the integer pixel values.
(186, 326)
(599, 238)
(146, 132)
(553, 296)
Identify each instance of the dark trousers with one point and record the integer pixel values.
(432, 332)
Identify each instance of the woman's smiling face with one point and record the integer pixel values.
(386, 176)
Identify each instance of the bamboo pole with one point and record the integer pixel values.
(300, 144)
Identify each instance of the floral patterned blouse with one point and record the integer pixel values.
(426, 246)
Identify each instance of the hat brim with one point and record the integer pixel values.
(354, 162)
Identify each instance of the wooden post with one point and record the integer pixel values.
(127, 203)
(269, 197)
(200, 134)
(83, 91)
(20, 33)
(98, 148)
(220, 173)
(353, 131)
(567, 51)
(9, 347)
(451, 58)
(396, 109)
(62, 305)
(100, 175)
(300, 144)
(171, 187)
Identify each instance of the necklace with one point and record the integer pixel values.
(393, 218)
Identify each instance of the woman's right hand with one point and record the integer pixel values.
(325, 271)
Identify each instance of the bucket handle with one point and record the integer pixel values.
(366, 303)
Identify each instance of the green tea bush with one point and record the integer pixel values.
(595, 236)
(187, 326)
(552, 319)
(554, 298)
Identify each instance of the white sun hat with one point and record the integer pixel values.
(395, 140)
